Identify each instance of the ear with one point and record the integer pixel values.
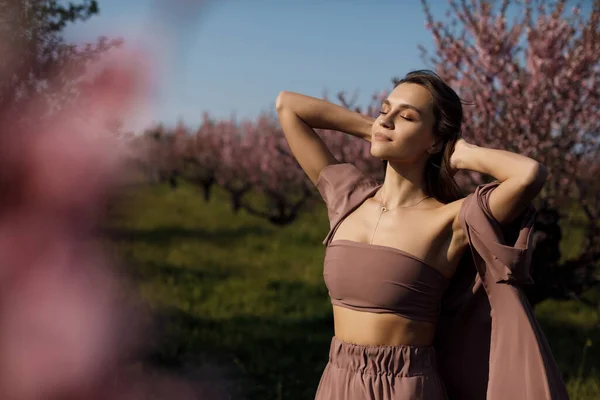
(436, 147)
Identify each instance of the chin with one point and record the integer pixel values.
(377, 153)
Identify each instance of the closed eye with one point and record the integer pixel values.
(406, 118)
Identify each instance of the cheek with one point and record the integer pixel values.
(413, 135)
(407, 146)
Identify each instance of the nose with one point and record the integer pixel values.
(386, 122)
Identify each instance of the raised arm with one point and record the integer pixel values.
(521, 178)
(299, 115)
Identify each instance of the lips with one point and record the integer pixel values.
(381, 136)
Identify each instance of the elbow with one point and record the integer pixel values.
(537, 176)
(280, 101)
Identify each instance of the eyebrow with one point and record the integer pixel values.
(404, 105)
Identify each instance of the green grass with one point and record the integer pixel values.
(239, 291)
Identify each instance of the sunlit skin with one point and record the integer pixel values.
(406, 119)
(428, 230)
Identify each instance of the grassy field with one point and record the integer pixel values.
(237, 292)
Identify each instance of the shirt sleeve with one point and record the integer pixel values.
(343, 187)
(506, 249)
(489, 335)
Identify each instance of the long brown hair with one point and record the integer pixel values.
(448, 114)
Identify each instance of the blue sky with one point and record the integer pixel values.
(234, 56)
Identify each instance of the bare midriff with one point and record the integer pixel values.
(368, 328)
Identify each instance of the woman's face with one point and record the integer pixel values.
(406, 120)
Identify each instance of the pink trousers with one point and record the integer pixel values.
(361, 372)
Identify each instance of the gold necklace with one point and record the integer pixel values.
(384, 208)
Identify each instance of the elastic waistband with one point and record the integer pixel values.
(402, 361)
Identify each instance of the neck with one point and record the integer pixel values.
(404, 184)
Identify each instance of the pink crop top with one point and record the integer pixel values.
(369, 277)
(382, 279)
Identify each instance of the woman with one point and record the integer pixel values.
(394, 249)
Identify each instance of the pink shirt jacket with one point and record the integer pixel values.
(488, 343)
